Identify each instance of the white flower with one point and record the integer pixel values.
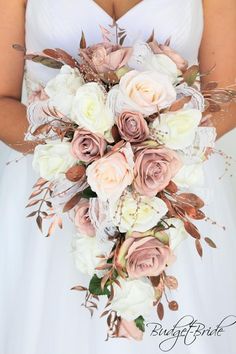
(161, 63)
(53, 159)
(90, 110)
(177, 129)
(86, 252)
(62, 88)
(190, 176)
(145, 92)
(140, 214)
(134, 298)
(177, 233)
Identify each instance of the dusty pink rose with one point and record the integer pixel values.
(106, 57)
(82, 218)
(110, 175)
(180, 62)
(154, 168)
(132, 126)
(128, 329)
(145, 256)
(87, 146)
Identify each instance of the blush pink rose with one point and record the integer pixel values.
(154, 168)
(128, 329)
(145, 256)
(132, 126)
(105, 57)
(87, 146)
(82, 219)
(180, 62)
(110, 175)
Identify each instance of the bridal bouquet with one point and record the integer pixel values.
(123, 134)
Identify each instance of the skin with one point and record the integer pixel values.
(218, 46)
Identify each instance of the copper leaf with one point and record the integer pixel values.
(192, 230)
(199, 247)
(160, 311)
(75, 173)
(72, 202)
(83, 41)
(210, 242)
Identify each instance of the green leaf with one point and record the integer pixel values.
(95, 287)
(140, 323)
(88, 193)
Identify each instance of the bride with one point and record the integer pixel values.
(38, 312)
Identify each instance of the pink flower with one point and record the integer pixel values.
(82, 218)
(180, 62)
(146, 91)
(154, 168)
(105, 57)
(132, 126)
(87, 146)
(110, 175)
(145, 256)
(128, 329)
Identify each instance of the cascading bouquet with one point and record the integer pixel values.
(123, 134)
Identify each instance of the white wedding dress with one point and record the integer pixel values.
(39, 314)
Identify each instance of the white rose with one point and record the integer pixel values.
(145, 92)
(62, 88)
(190, 176)
(86, 252)
(134, 298)
(90, 111)
(140, 214)
(177, 129)
(177, 233)
(53, 159)
(161, 63)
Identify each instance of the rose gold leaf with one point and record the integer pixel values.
(104, 280)
(160, 311)
(172, 187)
(51, 53)
(104, 313)
(152, 37)
(75, 173)
(192, 230)
(33, 202)
(49, 204)
(35, 193)
(40, 182)
(190, 74)
(171, 282)
(191, 198)
(39, 222)
(155, 281)
(59, 222)
(79, 288)
(42, 129)
(83, 44)
(72, 203)
(173, 306)
(122, 39)
(177, 105)
(115, 133)
(199, 247)
(32, 214)
(210, 242)
(52, 228)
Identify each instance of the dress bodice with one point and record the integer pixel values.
(59, 23)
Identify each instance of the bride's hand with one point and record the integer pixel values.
(218, 48)
(13, 121)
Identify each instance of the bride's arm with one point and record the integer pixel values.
(13, 122)
(219, 47)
